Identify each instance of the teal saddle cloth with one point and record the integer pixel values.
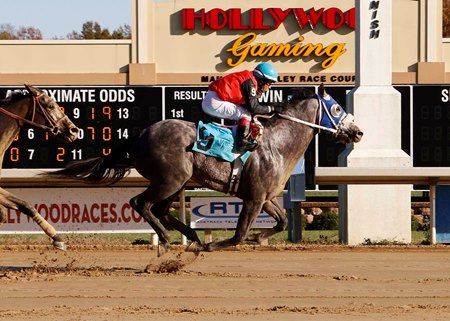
(217, 141)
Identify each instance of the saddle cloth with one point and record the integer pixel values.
(217, 141)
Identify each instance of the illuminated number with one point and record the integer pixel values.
(92, 129)
(76, 113)
(106, 110)
(106, 151)
(60, 154)
(80, 134)
(31, 133)
(77, 154)
(31, 152)
(46, 135)
(92, 113)
(123, 113)
(62, 109)
(106, 134)
(14, 154)
(16, 138)
(122, 133)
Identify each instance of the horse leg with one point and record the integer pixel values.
(8, 200)
(142, 204)
(250, 211)
(161, 210)
(274, 209)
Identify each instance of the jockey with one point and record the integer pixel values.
(235, 97)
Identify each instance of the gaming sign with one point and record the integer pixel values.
(259, 20)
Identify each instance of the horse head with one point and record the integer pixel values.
(47, 114)
(340, 123)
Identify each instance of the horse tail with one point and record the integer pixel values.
(107, 169)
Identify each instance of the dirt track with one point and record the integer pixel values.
(312, 283)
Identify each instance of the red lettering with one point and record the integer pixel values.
(54, 213)
(112, 210)
(311, 18)
(257, 19)
(125, 218)
(278, 15)
(235, 20)
(333, 18)
(189, 17)
(104, 212)
(85, 218)
(350, 18)
(65, 213)
(76, 213)
(217, 19)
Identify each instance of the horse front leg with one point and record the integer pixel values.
(250, 211)
(274, 209)
(8, 200)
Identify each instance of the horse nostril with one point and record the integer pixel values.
(360, 133)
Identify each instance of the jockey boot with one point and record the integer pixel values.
(243, 137)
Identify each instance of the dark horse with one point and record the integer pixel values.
(163, 154)
(38, 110)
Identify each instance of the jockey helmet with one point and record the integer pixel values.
(266, 71)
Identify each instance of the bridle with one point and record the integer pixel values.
(53, 128)
(322, 108)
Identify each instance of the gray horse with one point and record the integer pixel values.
(38, 110)
(163, 154)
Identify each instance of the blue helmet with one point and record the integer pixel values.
(266, 71)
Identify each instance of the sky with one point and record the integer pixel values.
(57, 18)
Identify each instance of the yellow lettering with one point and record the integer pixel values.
(242, 48)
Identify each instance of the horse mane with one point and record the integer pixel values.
(299, 94)
(13, 97)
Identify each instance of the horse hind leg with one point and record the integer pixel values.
(161, 210)
(8, 200)
(143, 205)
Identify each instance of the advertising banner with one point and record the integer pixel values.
(223, 212)
(80, 210)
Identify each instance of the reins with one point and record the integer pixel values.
(301, 121)
(54, 129)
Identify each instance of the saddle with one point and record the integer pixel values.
(220, 141)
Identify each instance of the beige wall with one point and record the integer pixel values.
(162, 53)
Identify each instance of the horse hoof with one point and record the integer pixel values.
(162, 250)
(195, 247)
(59, 245)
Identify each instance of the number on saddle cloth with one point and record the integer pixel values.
(217, 141)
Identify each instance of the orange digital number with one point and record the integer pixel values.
(14, 154)
(106, 151)
(92, 129)
(107, 111)
(106, 134)
(60, 154)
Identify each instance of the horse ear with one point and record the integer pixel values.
(322, 92)
(34, 91)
